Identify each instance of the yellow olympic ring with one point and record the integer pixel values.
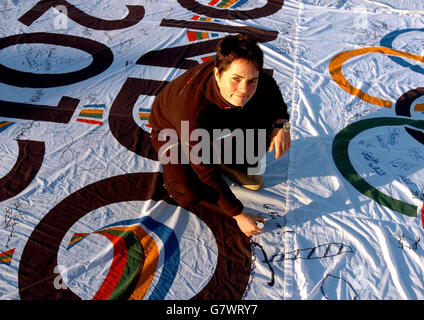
(336, 64)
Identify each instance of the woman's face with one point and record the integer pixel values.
(238, 83)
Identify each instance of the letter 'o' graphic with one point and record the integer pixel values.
(102, 59)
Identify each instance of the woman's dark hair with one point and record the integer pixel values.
(241, 46)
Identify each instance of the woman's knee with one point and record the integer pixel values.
(182, 195)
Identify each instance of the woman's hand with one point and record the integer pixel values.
(281, 141)
(247, 223)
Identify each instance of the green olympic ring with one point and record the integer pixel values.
(344, 165)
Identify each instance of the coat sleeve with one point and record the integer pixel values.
(208, 173)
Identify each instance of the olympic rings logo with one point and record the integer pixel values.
(403, 105)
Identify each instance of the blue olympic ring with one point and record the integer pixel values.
(387, 41)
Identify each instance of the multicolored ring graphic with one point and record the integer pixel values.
(136, 260)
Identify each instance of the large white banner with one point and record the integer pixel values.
(84, 211)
